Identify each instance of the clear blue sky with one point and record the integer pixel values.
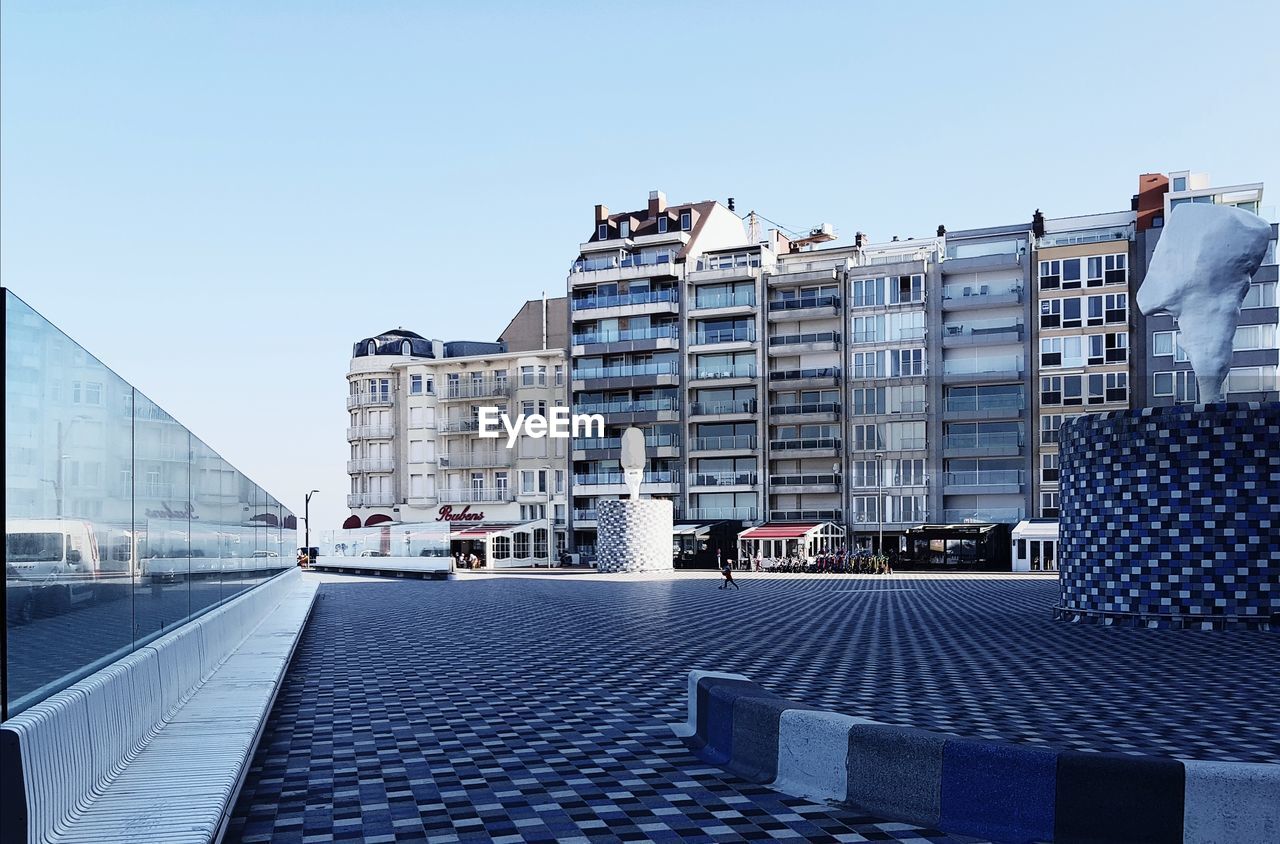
(217, 199)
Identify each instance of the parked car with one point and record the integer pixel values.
(59, 556)
(373, 554)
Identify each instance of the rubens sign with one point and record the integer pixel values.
(447, 515)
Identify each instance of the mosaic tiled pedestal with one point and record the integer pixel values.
(1170, 516)
(634, 535)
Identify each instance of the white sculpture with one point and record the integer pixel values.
(1200, 273)
(633, 460)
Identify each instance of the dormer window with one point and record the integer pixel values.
(662, 224)
(602, 231)
(624, 228)
(406, 348)
(686, 220)
(371, 349)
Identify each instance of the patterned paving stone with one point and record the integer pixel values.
(536, 708)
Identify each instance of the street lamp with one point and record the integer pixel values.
(550, 532)
(879, 502)
(306, 520)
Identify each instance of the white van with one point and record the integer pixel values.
(59, 556)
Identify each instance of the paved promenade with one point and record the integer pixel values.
(535, 707)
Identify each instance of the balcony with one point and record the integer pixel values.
(371, 464)
(804, 307)
(1007, 515)
(976, 370)
(714, 479)
(669, 442)
(631, 339)
(975, 296)
(744, 334)
(983, 482)
(737, 442)
(585, 516)
(835, 515)
(982, 334)
(666, 369)
(740, 262)
(719, 300)
(654, 407)
(984, 407)
(154, 491)
(455, 390)
(811, 412)
(801, 483)
(459, 426)
(370, 432)
(901, 444)
(828, 376)
(668, 298)
(476, 460)
(475, 495)
(370, 499)
(740, 514)
(614, 267)
(724, 408)
(817, 445)
(378, 399)
(795, 344)
(724, 373)
(1003, 444)
(619, 479)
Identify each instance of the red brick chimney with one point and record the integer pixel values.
(602, 214)
(1149, 203)
(657, 203)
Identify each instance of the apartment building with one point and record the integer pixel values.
(1164, 371)
(416, 450)
(631, 360)
(1083, 321)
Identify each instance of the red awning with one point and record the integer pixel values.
(779, 531)
(377, 519)
(480, 531)
(351, 523)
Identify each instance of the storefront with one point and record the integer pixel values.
(974, 547)
(1035, 545)
(703, 545)
(499, 546)
(802, 541)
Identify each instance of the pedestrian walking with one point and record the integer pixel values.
(726, 569)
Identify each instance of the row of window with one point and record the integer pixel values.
(1084, 389)
(887, 290)
(1181, 385)
(664, 223)
(1095, 271)
(1092, 350)
(1069, 313)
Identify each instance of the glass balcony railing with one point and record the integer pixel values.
(803, 302)
(804, 480)
(982, 366)
(370, 499)
(1009, 439)
(796, 339)
(607, 478)
(368, 399)
(652, 440)
(725, 335)
(628, 370)
(623, 406)
(737, 441)
(474, 495)
(833, 515)
(584, 516)
(459, 426)
(814, 407)
(613, 262)
(722, 479)
(477, 460)
(646, 297)
(724, 299)
(989, 477)
(961, 404)
(1007, 515)
(476, 389)
(735, 261)
(736, 370)
(741, 514)
(805, 374)
(712, 408)
(660, 332)
(805, 444)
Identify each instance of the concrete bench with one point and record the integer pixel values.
(155, 746)
(989, 789)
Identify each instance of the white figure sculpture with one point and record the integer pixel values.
(633, 460)
(1200, 273)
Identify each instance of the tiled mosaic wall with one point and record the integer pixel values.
(1172, 511)
(634, 535)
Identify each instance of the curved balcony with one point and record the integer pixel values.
(475, 495)
(370, 499)
(371, 464)
(371, 432)
(475, 389)
(476, 460)
(378, 399)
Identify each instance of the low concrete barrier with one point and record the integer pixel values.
(154, 747)
(431, 568)
(989, 789)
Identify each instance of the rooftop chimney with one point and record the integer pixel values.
(602, 214)
(657, 203)
(860, 240)
(1037, 223)
(942, 230)
(731, 203)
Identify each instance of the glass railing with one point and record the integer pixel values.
(803, 480)
(723, 299)
(584, 516)
(661, 332)
(368, 399)
(737, 441)
(605, 478)
(370, 464)
(653, 440)
(120, 524)
(983, 329)
(613, 262)
(836, 515)
(725, 335)
(805, 444)
(802, 302)
(628, 370)
(712, 408)
(989, 477)
(722, 478)
(1007, 515)
(815, 407)
(981, 250)
(475, 495)
(738, 370)
(982, 366)
(623, 406)
(459, 426)
(475, 389)
(477, 460)
(741, 514)
(647, 297)
(1008, 439)
(804, 374)
(960, 404)
(370, 432)
(735, 261)
(977, 291)
(794, 339)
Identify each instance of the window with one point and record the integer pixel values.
(1051, 389)
(624, 228)
(865, 438)
(907, 362)
(1070, 273)
(526, 376)
(1162, 384)
(1093, 271)
(1050, 275)
(1179, 183)
(1051, 313)
(1049, 426)
(662, 224)
(1049, 468)
(686, 220)
(1095, 310)
(406, 348)
(905, 289)
(1251, 379)
(1181, 385)
(526, 482)
(1071, 389)
(540, 543)
(867, 292)
(1117, 347)
(1070, 313)
(1157, 222)
(501, 547)
(866, 365)
(559, 375)
(415, 385)
(1117, 307)
(1051, 351)
(1260, 296)
(1250, 337)
(1116, 268)
(1049, 504)
(522, 545)
(500, 482)
(602, 231)
(1162, 344)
